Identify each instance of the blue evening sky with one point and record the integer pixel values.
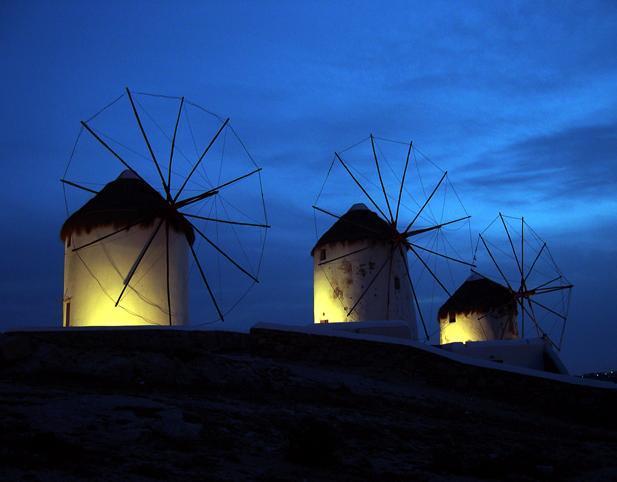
(516, 99)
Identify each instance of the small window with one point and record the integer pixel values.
(452, 317)
(322, 255)
(397, 283)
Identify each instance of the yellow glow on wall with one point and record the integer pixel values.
(474, 327)
(327, 306)
(94, 278)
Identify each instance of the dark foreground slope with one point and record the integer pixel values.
(156, 404)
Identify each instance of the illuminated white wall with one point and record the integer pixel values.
(478, 327)
(93, 279)
(339, 284)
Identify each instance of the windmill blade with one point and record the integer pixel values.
(225, 221)
(547, 283)
(205, 280)
(344, 255)
(495, 261)
(223, 253)
(389, 284)
(534, 261)
(413, 292)
(109, 235)
(531, 315)
(539, 328)
(400, 191)
(212, 141)
(552, 289)
(211, 192)
(370, 284)
(442, 255)
(108, 147)
(522, 321)
(167, 270)
(426, 202)
(360, 186)
(143, 133)
(518, 265)
(173, 145)
(78, 186)
(550, 310)
(415, 232)
(138, 261)
(383, 188)
(429, 270)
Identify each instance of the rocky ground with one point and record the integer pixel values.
(194, 406)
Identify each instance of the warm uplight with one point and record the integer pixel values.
(466, 327)
(94, 278)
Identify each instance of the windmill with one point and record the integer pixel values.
(127, 248)
(510, 253)
(361, 266)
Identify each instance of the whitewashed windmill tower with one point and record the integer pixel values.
(127, 249)
(103, 239)
(351, 282)
(479, 310)
(360, 263)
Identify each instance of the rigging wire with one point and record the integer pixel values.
(91, 118)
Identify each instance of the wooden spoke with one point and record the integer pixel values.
(531, 315)
(547, 283)
(400, 191)
(212, 141)
(369, 285)
(108, 147)
(556, 313)
(415, 232)
(173, 145)
(389, 283)
(429, 270)
(426, 202)
(534, 261)
(495, 262)
(383, 188)
(138, 261)
(413, 292)
(344, 255)
(213, 191)
(552, 289)
(143, 133)
(538, 327)
(109, 235)
(78, 186)
(167, 270)
(360, 186)
(205, 280)
(523, 248)
(441, 255)
(225, 221)
(518, 265)
(522, 320)
(223, 253)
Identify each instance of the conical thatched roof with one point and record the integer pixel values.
(478, 295)
(122, 202)
(359, 223)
